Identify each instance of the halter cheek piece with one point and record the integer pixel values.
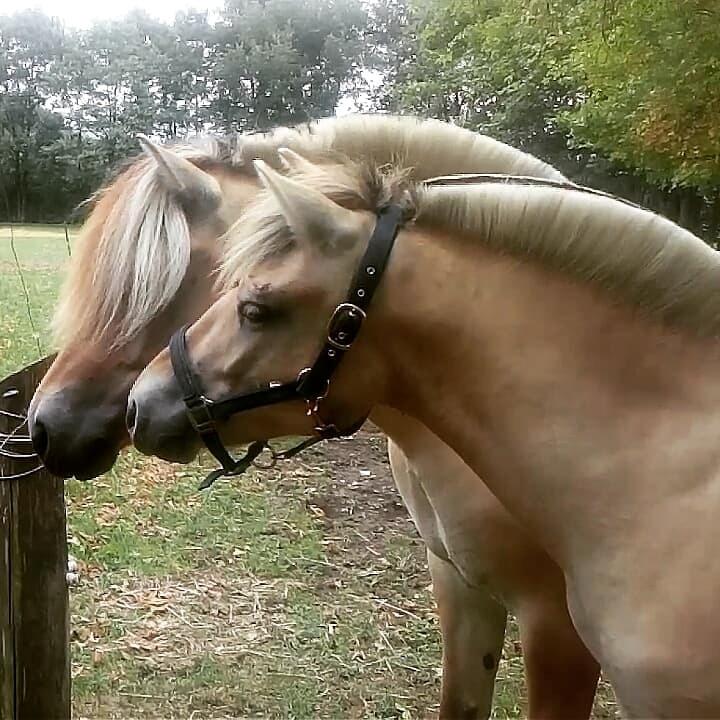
(311, 385)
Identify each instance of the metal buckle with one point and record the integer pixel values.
(313, 411)
(316, 398)
(345, 310)
(198, 410)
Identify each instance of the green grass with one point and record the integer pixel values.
(292, 593)
(241, 602)
(41, 253)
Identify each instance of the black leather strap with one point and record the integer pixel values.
(196, 405)
(271, 395)
(345, 324)
(202, 410)
(239, 466)
(312, 383)
(184, 374)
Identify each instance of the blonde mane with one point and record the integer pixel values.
(129, 261)
(134, 249)
(638, 256)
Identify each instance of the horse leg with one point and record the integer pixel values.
(473, 630)
(465, 522)
(561, 674)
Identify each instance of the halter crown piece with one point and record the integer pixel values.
(312, 383)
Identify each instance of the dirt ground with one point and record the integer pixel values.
(361, 493)
(299, 592)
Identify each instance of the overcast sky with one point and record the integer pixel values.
(81, 13)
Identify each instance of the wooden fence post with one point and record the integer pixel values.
(34, 614)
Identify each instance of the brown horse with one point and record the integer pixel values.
(563, 342)
(145, 266)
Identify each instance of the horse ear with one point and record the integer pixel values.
(294, 161)
(310, 215)
(197, 191)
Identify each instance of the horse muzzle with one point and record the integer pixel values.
(157, 422)
(71, 443)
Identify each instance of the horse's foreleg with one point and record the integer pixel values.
(473, 629)
(562, 675)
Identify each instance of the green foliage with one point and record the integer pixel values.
(490, 65)
(653, 80)
(279, 61)
(72, 102)
(636, 82)
(623, 95)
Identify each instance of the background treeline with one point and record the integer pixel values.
(620, 94)
(73, 101)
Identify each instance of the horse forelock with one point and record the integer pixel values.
(130, 260)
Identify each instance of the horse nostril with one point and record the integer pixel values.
(40, 438)
(131, 417)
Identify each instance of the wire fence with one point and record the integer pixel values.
(14, 234)
(26, 292)
(15, 442)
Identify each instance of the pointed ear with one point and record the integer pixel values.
(294, 161)
(311, 216)
(198, 191)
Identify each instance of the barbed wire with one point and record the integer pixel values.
(11, 437)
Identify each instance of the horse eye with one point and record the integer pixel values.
(253, 312)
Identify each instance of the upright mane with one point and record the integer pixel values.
(134, 249)
(641, 258)
(425, 147)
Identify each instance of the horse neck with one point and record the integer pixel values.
(542, 385)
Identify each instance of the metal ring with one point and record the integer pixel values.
(270, 464)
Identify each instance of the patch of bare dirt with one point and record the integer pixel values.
(359, 488)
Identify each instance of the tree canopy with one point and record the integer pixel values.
(621, 94)
(650, 84)
(72, 101)
(637, 81)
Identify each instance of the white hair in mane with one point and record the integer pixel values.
(135, 247)
(639, 257)
(130, 267)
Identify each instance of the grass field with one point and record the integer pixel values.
(299, 592)
(41, 251)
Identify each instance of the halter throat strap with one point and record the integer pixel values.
(312, 383)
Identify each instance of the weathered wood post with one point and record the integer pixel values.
(34, 615)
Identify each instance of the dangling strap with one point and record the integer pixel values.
(239, 466)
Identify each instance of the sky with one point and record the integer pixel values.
(81, 13)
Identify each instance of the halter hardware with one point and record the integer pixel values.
(345, 325)
(198, 410)
(312, 383)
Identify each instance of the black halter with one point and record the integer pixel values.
(311, 385)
